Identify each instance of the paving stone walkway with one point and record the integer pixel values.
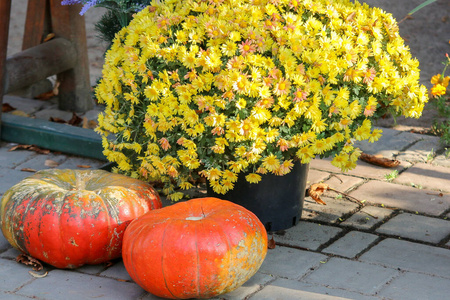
(394, 245)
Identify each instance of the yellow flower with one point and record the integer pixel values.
(253, 178)
(271, 163)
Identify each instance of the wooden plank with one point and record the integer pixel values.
(75, 88)
(5, 13)
(38, 63)
(52, 136)
(36, 23)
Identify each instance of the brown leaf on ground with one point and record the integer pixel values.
(28, 170)
(30, 148)
(84, 166)
(271, 243)
(316, 190)
(19, 113)
(45, 96)
(379, 161)
(51, 163)
(57, 120)
(6, 107)
(29, 261)
(75, 120)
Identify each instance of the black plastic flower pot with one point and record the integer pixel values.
(276, 200)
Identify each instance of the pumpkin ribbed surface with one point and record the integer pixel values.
(68, 218)
(195, 249)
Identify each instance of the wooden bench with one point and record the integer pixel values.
(65, 56)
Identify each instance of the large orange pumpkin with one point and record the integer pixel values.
(68, 218)
(195, 249)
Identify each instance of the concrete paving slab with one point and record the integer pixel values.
(367, 217)
(47, 114)
(316, 176)
(307, 235)
(253, 285)
(39, 162)
(417, 286)
(351, 244)
(442, 160)
(72, 285)
(91, 269)
(343, 183)
(10, 159)
(352, 275)
(284, 289)
(117, 271)
(10, 253)
(410, 257)
(13, 276)
(416, 227)
(290, 263)
(9, 177)
(4, 244)
(28, 106)
(427, 176)
(363, 169)
(390, 144)
(402, 197)
(422, 151)
(10, 296)
(77, 162)
(332, 212)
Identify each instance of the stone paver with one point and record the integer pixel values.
(13, 276)
(253, 285)
(442, 160)
(367, 217)
(417, 227)
(11, 159)
(59, 284)
(290, 263)
(427, 176)
(28, 106)
(422, 151)
(117, 271)
(9, 177)
(332, 212)
(3, 243)
(403, 197)
(307, 235)
(284, 289)
(417, 286)
(410, 257)
(39, 162)
(351, 244)
(394, 139)
(75, 162)
(343, 183)
(315, 176)
(352, 275)
(363, 169)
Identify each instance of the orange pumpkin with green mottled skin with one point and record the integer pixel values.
(195, 249)
(68, 218)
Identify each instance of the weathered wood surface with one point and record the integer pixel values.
(39, 62)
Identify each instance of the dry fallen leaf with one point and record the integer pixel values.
(271, 243)
(45, 96)
(31, 148)
(36, 275)
(28, 170)
(6, 107)
(57, 120)
(75, 120)
(51, 163)
(84, 166)
(29, 261)
(316, 190)
(19, 113)
(379, 161)
(49, 37)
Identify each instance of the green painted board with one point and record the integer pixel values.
(52, 136)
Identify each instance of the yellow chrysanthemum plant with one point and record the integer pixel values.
(214, 88)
